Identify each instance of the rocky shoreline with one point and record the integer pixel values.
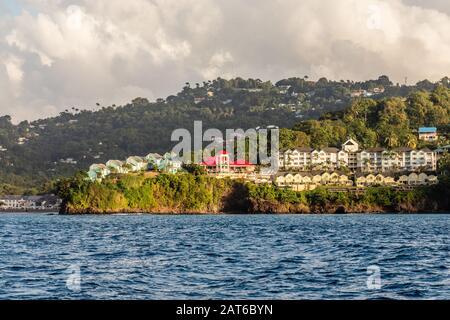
(265, 207)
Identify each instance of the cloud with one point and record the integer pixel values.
(59, 53)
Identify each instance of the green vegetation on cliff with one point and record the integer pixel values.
(267, 198)
(189, 193)
(165, 193)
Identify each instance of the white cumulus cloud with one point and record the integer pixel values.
(56, 54)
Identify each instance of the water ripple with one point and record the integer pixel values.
(224, 257)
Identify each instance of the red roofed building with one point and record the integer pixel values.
(221, 163)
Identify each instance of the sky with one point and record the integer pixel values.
(59, 54)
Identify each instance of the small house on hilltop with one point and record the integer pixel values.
(170, 163)
(98, 171)
(428, 134)
(136, 163)
(116, 166)
(154, 160)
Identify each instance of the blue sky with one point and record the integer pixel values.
(11, 6)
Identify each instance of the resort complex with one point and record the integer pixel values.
(310, 181)
(301, 169)
(350, 156)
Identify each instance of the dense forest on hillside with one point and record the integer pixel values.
(388, 122)
(318, 113)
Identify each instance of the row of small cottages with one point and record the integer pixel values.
(300, 182)
(167, 163)
(219, 164)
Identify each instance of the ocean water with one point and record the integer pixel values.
(225, 257)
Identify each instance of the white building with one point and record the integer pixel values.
(116, 166)
(368, 160)
(98, 171)
(137, 163)
(44, 202)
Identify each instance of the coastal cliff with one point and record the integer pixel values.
(196, 194)
(165, 193)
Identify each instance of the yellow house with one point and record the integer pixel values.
(389, 180)
(379, 179)
(289, 179)
(344, 181)
(403, 179)
(280, 181)
(432, 179)
(297, 179)
(413, 179)
(422, 179)
(334, 179)
(361, 181)
(370, 179)
(307, 180)
(317, 179)
(300, 182)
(326, 177)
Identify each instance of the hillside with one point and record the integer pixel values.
(32, 154)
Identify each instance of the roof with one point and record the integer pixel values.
(312, 173)
(331, 150)
(135, 159)
(213, 161)
(301, 149)
(240, 163)
(96, 166)
(427, 130)
(403, 149)
(379, 149)
(154, 155)
(375, 174)
(350, 142)
(114, 163)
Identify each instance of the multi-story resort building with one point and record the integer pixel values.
(302, 168)
(351, 157)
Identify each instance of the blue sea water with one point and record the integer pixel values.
(224, 257)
